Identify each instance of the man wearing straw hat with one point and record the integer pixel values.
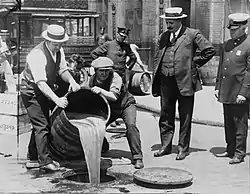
(44, 62)
(122, 104)
(175, 78)
(233, 87)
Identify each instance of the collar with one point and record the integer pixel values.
(178, 31)
(52, 54)
(240, 39)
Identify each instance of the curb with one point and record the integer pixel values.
(146, 108)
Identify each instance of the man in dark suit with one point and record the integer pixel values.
(233, 87)
(175, 78)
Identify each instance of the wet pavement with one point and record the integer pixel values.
(210, 174)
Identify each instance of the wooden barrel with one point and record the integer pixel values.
(140, 83)
(65, 142)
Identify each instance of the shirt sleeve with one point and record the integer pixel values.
(116, 84)
(37, 63)
(63, 64)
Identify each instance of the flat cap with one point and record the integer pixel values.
(102, 63)
(237, 19)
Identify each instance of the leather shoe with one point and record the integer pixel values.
(236, 160)
(161, 152)
(223, 155)
(138, 164)
(51, 167)
(181, 156)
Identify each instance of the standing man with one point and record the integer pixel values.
(102, 37)
(6, 73)
(44, 62)
(233, 87)
(122, 104)
(175, 78)
(117, 50)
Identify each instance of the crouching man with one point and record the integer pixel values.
(122, 104)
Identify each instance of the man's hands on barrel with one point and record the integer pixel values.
(96, 90)
(62, 102)
(73, 86)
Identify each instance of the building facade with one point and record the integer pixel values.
(142, 17)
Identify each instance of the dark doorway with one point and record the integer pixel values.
(185, 5)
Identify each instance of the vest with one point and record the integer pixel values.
(51, 69)
(167, 67)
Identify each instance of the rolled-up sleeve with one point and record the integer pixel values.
(116, 84)
(37, 63)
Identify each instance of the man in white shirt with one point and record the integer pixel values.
(6, 73)
(44, 63)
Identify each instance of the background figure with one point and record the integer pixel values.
(6, 73)
(38, 78)
(117, 50)
(134, 48)
(102, 37)
(122, 104)
(233, 87)
(175, 78)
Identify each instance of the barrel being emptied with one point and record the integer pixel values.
(140, 83)
(65, 144)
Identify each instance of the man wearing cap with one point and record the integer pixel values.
(175, 78)
(102, 37)
(122, 104)
(117, 50)
(44, 62)
(233, 87)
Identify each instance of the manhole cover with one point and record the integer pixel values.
(163, 176)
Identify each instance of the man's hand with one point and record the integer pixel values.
(62, 102)
(96, 90)
(216, 93)
(73, 86)
(240, 99)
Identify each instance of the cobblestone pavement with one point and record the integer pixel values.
(211, 175)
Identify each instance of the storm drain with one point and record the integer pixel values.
(83, 177)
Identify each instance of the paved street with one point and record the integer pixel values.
(210, 174)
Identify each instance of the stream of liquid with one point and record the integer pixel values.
(91, 130)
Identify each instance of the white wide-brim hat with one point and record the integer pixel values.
(173, 13)
(55, 33)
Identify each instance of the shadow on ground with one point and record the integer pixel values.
(159, 186)
(219, 150)
(117, 154)
(156, 147)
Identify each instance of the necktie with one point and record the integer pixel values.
(173, 40)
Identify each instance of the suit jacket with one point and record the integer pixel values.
(185, 61)
(233, 76)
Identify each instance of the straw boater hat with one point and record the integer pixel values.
(55, 33)
(237, 19)
(4, 33)
(102, 63)
(173, 13)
